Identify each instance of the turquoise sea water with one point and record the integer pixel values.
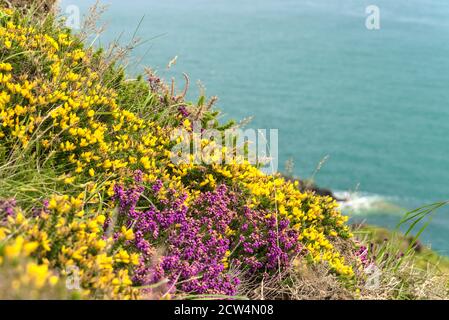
(375, 102)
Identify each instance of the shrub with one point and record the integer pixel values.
(80, 146)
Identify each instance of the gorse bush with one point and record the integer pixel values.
(87, 183)
(59, 238)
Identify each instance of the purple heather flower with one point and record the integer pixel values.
(7, 207)
(183, 111)
(195, 241)
(157, 186)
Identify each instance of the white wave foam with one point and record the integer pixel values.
(360, 203)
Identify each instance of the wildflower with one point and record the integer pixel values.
(69, 180)
(5, 67)
(122, 257)
(14, 250)
(145, 161)
(128, 234)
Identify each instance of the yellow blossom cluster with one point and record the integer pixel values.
(23, 276)
(66, 238)
(66, 110)
(34, 274)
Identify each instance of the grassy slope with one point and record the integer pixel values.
(300, 281)
(85, 129)
(424, 256)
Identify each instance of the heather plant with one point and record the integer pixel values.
(207, 246)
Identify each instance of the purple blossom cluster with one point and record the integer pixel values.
(193, 246)
(183, 111)
(206, 247)
(363, 255)
(266, 242)
(7, 207)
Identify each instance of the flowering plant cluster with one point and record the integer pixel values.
(108, 201)
(61, 236)
(208, 244)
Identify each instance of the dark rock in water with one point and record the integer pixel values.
(322, 191)
(310, 186)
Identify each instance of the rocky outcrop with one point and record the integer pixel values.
(305, 185)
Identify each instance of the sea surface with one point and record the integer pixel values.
(374, 104)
